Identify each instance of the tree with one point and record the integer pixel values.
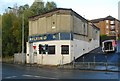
(50, 5)
(12, 25)
(8, 42)
(37, 7)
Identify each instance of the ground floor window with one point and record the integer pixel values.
(65, 49)
(51, 49)
(42, 49)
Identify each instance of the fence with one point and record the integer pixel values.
(19, 58)
(92, 66)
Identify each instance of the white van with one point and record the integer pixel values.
(109, 46)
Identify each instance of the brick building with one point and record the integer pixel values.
(109, 26)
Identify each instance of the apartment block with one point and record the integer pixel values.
(109, 26)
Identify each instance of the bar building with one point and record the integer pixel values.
(60, 36)
(109, 26)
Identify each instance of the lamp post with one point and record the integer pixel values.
(23, 39)
(22, 35)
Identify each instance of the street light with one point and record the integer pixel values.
(22, 35)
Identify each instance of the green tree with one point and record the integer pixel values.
(37, 7)
(50, 5)
(12, 25)
(8, 42)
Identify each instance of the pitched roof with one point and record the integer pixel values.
(109, 18)
(55, 11)
(102, 19)
(97, 20)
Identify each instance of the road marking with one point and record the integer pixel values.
(39, 76)
(11, 77)
(27, 75)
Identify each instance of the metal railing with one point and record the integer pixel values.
(92, 66)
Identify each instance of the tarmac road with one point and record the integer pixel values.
(11, 71)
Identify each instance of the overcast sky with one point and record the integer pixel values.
(90, 9)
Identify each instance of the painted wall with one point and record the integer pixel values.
(76, 49)
(81, 47)
(48, 59)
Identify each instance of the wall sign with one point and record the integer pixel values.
(47, 37)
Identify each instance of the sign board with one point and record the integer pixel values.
(34, 46)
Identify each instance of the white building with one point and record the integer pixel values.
(60, 36)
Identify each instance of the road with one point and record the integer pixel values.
(11, 71)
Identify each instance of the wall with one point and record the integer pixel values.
(50, 24)
(81, 47)
(19, 58)
(47, 59)
(80, 26)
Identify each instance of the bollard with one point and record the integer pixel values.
(106, 65)
(74, 62)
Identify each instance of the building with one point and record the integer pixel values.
(60, 36)
(109, 26)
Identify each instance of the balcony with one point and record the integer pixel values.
(112, 33)
(112, 28)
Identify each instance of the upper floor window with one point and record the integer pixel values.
(112, 33)
(106, 26)
(106, 21)
(112, 22)
(107, 32)
(85, 28)
(112, 27)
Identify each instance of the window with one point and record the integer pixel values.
(112, 33)
(111, 22)
(51, 49)
(107, 32)
(45, 49)
(84, 26)
(65, 49)
(112, 27)
(106, 26)
(106, 21)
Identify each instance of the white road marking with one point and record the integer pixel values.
(27, 75)
(39, 76)
(11, 77)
